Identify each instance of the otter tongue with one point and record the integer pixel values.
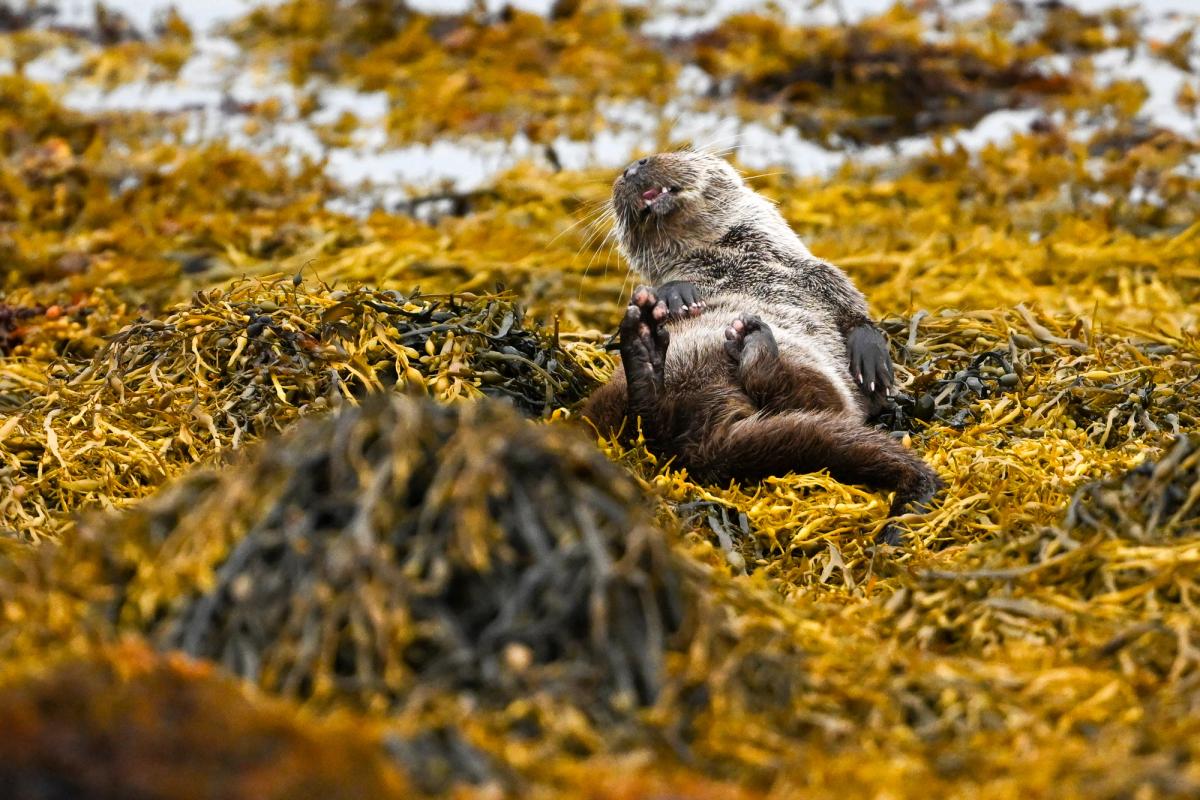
(650, 194)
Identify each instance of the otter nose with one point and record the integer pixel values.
(632, 169)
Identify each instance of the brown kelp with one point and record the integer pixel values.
(238, 420)
(234, 364)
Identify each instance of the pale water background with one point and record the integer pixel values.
(384, 174)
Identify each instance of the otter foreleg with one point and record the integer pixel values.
(809, 441)
(870, 362)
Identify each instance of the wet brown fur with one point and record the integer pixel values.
(751, 409)
(769, 420)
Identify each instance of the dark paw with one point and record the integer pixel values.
(922, 503)
(914, 500)
(892, 535)
(681, 299)
(870, 361)
(644, 338)
(748, 331)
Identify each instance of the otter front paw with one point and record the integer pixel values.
(681, 299)
(870, 361)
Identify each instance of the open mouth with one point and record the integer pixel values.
(650, 196)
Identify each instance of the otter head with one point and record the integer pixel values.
(670, 203)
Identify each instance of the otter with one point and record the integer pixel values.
(745, 356)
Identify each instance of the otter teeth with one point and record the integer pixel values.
(650, 195)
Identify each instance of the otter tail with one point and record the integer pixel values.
(810, 441)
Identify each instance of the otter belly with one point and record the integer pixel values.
(804, 338)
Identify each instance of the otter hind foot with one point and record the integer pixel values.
(914, 496)
(682, 299)
(749, 340)
(644, 338)
(643, 342)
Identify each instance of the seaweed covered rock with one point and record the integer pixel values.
(127, 722)
(876, 80)
(486, 73)
(1156, 501)
(495, 588)
(406, 543)
(1043, 373)
(235, 364)
(1108, 582)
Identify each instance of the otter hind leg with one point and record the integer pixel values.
(608, 406)
(772, 383)
(638, 390)
(643, 342)
(809, 441)
(749, 341)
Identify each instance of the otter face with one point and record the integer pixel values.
(668, 199)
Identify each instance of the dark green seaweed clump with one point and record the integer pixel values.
(408, 543)
(1155, 501)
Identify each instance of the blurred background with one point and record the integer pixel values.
(423, 110)
(403, 99)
